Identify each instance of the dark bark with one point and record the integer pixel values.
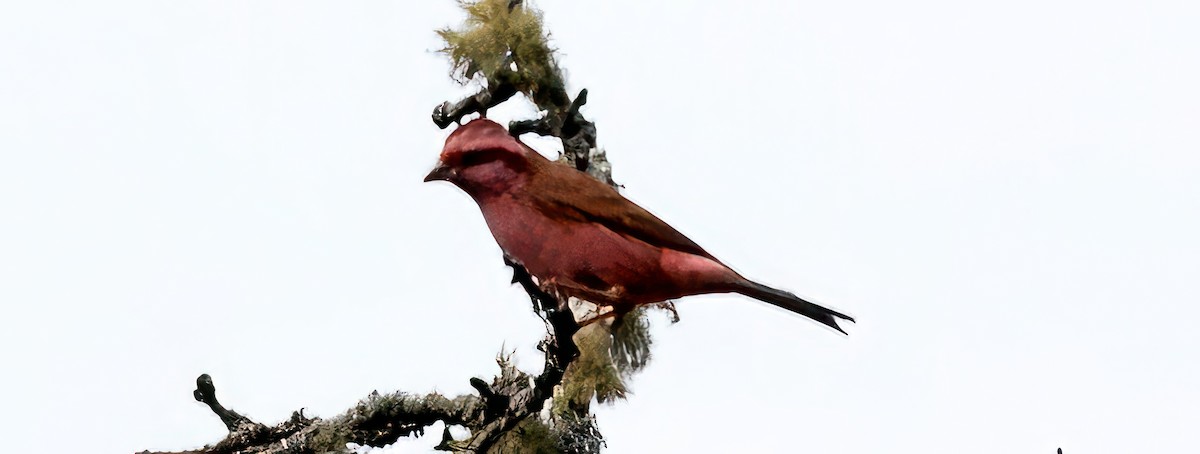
(206, 392)
(379, 420)
(577, 133)
(499, 89)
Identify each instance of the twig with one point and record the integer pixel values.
(498, 90)
(577, 133)
(380, 420)
(206, 392)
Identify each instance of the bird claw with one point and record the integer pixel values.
(599, 314)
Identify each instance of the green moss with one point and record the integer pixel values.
(493, 38)
(531, 436)
(592, 374)
(608, 356)
(631, 342)
(330, 438)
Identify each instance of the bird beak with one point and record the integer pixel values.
(441, 172)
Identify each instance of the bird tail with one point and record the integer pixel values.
(787, 300)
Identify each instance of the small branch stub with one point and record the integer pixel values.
(206, 392)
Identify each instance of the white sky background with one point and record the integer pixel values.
(1005, 195)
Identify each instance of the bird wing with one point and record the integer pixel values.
(573, 195)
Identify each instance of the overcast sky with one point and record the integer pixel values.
(1005, 195)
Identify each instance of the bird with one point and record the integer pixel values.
(581, 238)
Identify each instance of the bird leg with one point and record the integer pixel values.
(616, 293)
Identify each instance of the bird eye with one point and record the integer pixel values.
(476, 157)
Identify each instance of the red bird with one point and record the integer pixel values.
(580, 237)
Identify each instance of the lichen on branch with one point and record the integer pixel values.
(503, 42)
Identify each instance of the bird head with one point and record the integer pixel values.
(481, 157)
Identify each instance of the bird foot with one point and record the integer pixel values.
(604, 312)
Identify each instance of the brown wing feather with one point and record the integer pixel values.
(567, 193)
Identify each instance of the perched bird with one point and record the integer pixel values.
(579, 237)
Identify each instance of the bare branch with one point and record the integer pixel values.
(206, 392)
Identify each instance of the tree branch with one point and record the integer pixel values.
(499, 89)
(207, 393)
(379, 420)
(512, 398)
